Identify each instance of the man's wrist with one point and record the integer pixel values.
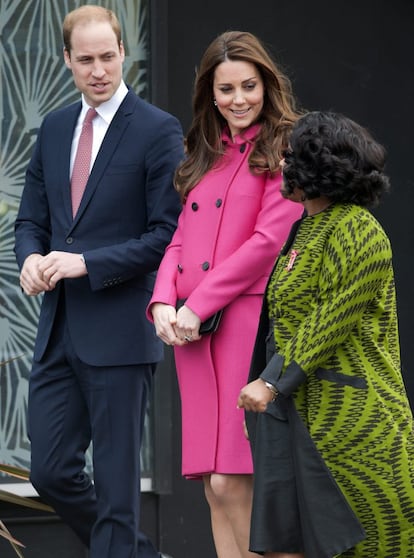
(33, 255)
(82, 257)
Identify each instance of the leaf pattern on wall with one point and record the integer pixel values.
(34, 81)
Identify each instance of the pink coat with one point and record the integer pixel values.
(229, 233)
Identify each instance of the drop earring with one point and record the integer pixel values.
(215, 102)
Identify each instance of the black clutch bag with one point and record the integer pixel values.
(208, 326)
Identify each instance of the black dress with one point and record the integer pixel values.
(310, 513)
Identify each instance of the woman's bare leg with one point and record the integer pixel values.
(230, 501)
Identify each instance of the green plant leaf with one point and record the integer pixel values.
(4, 532)
(18, 472)
(24, 501)
(22, 474)
(3, 362)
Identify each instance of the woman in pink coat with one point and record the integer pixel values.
(232, 226)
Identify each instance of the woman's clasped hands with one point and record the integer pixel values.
(175, 327)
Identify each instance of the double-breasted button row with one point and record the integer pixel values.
(195, 206)
(204, 266)
(112, 282)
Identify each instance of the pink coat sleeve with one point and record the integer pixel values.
(165, 285)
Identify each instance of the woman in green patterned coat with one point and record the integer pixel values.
(327, 413)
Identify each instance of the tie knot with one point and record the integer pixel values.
(90, 115)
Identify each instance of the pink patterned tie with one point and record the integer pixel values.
(81, 166)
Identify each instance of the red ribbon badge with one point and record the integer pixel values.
(292, 259)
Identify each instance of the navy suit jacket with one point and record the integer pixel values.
(126, 219)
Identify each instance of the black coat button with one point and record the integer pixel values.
(205, 266)
(243, 148)
(69, 240)
(194, 206)
(180, 268)
(219, 202)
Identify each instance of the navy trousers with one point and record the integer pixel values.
(71, 404)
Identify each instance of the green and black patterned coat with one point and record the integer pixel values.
(332, 298)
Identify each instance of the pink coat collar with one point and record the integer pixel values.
(246, 135)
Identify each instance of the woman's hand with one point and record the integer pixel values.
(165, 318)
(187, 325)
(255, 396)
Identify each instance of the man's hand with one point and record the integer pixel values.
(31, 278)
(61, 265)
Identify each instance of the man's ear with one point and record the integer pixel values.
(66, 57)
(122, 50)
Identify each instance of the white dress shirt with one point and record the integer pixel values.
(106, 111)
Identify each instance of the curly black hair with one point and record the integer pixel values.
(331, 155)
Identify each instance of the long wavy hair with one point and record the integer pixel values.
(203, 142)
(331, 155)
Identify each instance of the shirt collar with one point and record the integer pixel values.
(107, 110)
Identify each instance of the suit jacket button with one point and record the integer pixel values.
(194, 206)
(180, 268)
(205, 266)
(69, 240)
(219, 202)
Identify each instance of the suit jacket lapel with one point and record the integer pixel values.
(109, 145)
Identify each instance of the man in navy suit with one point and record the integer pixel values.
(95, 351)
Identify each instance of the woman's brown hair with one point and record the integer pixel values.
(203, 141)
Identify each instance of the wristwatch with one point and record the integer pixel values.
(273, 389)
